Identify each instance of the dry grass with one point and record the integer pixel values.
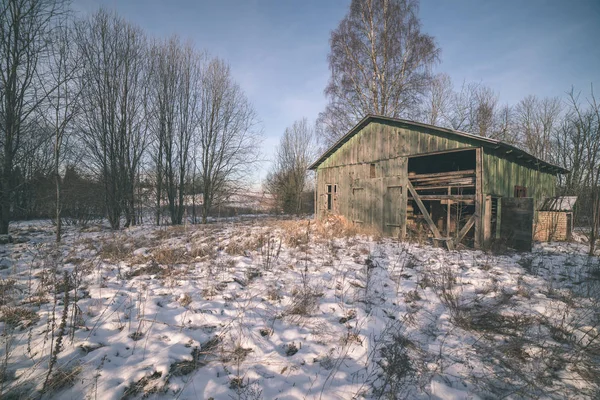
(170, 255)
(114, 250)
(16, 316)
(336, 226)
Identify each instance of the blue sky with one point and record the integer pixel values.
(278, 49)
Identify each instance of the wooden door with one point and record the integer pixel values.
(516, 222)
(392, 210)
(359, 205)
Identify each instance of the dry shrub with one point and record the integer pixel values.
(147, 385)
(62, 378)
(7, 289)
(295, 233)
(152, 268)
(115, 249)
(304, 301)
(273, 294)
(242, 246)
(337, 226)
(185, 300)
(171, 231)
(16, 316)
(169, 255)
(186, 367)
(203, 251)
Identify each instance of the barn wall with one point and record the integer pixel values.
(501, 175)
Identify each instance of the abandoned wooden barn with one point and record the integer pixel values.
(404, 177)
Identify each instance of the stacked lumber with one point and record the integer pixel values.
(443, 180)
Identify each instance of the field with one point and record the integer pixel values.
(291, 310)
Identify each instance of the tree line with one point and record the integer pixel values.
(382, 63)
(96, 100)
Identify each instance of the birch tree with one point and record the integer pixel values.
(380, 63)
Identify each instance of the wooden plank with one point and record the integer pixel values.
(415, 195)
(465, 229)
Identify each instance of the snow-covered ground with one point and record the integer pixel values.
(291, 310)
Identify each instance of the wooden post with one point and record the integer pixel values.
(448, 216)
(487, 223)
(315, 195)
(478, 197)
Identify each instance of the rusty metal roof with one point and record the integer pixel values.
(560, 203)
(487, 142)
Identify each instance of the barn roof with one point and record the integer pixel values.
(486, 142)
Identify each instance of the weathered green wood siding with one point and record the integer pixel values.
(360, 197)
(382, 141)
(501, 175)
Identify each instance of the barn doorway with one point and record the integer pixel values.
(444, 184)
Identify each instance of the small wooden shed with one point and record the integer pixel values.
(555, 219)
(401, 176)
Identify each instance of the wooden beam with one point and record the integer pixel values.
(455, 197)
(414, 176)
(465, 229)
(415, 195)
(433, 181)
(472, 185)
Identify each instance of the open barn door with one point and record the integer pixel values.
(516, 222)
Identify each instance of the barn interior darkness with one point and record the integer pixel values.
(445, 183)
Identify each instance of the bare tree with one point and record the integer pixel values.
(582, 134)
(437, 101)
(483, 114)
(177, 78)
(461, 104)
(228, 137)
(288, 177)
(25, 27)
(535, 122)
(380, 63)
(505, 125)
(63, 101)
(114, 125)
